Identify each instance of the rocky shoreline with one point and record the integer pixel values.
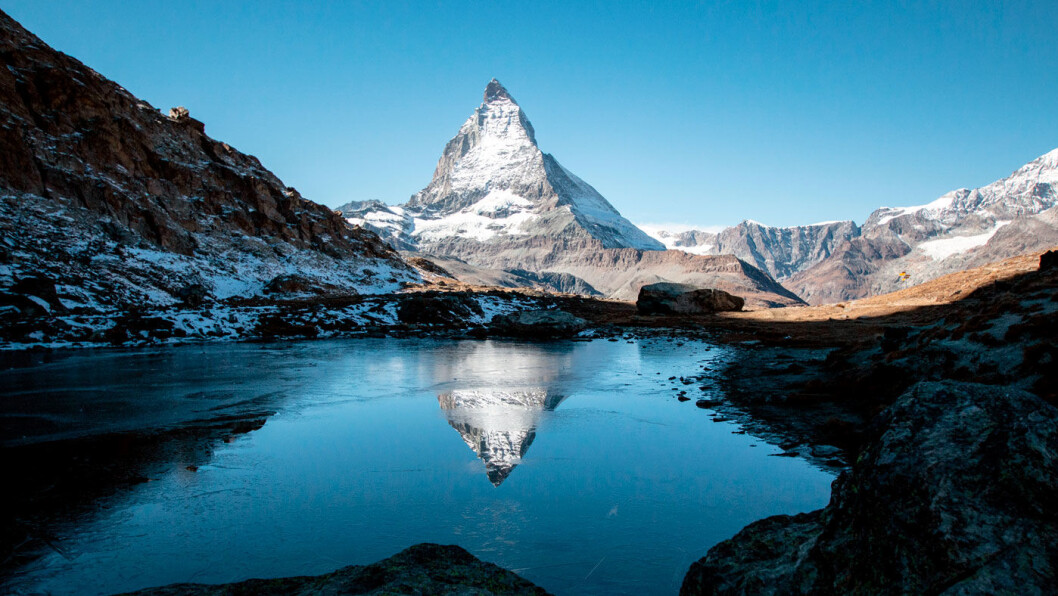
(948, 415)
(420, 569)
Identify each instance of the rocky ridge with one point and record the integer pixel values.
(107, 205)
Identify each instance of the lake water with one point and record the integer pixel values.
(572, 464)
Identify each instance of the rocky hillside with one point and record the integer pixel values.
(107, 204)
(897, 247)
(498, 203)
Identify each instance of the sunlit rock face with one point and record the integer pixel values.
(498, 424)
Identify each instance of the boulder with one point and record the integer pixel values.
(538, 324)
(1049, 260)
(420, 569)
(289, 284)
(192, 295)
(681, 299)
(954, 494)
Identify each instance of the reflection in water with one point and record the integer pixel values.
(355, 464)
(496, 395)
(498, 424)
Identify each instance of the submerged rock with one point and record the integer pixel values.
(954, 495)
(670, 299)
(539, 324)
(420, 569)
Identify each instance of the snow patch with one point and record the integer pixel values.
(942, 248)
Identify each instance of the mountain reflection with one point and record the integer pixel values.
(499, 425)
(498, 394)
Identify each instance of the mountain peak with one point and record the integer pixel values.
(495, 91)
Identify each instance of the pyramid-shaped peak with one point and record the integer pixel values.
(495, 91)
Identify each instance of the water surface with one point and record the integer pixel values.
(570, 463)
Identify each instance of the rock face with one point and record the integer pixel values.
(953, 495)
(780, 252)
(538, 324)
(898, 247)
(120, 206)
(672, 299)
(497, 202)
(421, 569)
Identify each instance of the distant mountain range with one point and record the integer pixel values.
(896, 247)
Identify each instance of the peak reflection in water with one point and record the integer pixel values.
(500, 392)
(499, 425)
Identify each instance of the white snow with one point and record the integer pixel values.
(499, 212)
(942, 248)
(940, 204)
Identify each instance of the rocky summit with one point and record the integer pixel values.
(499, 203)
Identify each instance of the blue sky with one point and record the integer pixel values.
(696, 113)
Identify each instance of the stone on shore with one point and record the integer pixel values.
(538, 324)
(682, 299)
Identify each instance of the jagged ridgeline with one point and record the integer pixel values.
(497, 202)
(897, 246)
(107, 203)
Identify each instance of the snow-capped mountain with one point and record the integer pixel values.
(896, 246)
(964, 228)
(497, 202)
(107, 204)
(494, 186)
(780, 252)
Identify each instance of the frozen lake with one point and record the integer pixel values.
(570, 463)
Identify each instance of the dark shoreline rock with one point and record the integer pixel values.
(420, 569)
(676, 299)
(539, 324)
(953, 495)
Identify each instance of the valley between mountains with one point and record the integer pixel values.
(914, 355)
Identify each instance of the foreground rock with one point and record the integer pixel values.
(539, 324)
(954, 495)
(421, 569)
(683, 299)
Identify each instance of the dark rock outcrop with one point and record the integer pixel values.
(420, 569)
(953, 495)
(671, 299)
(1049, 260)
(538, 324)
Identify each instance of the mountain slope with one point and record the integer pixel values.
(107, 204)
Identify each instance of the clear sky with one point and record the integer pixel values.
(698, 113)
